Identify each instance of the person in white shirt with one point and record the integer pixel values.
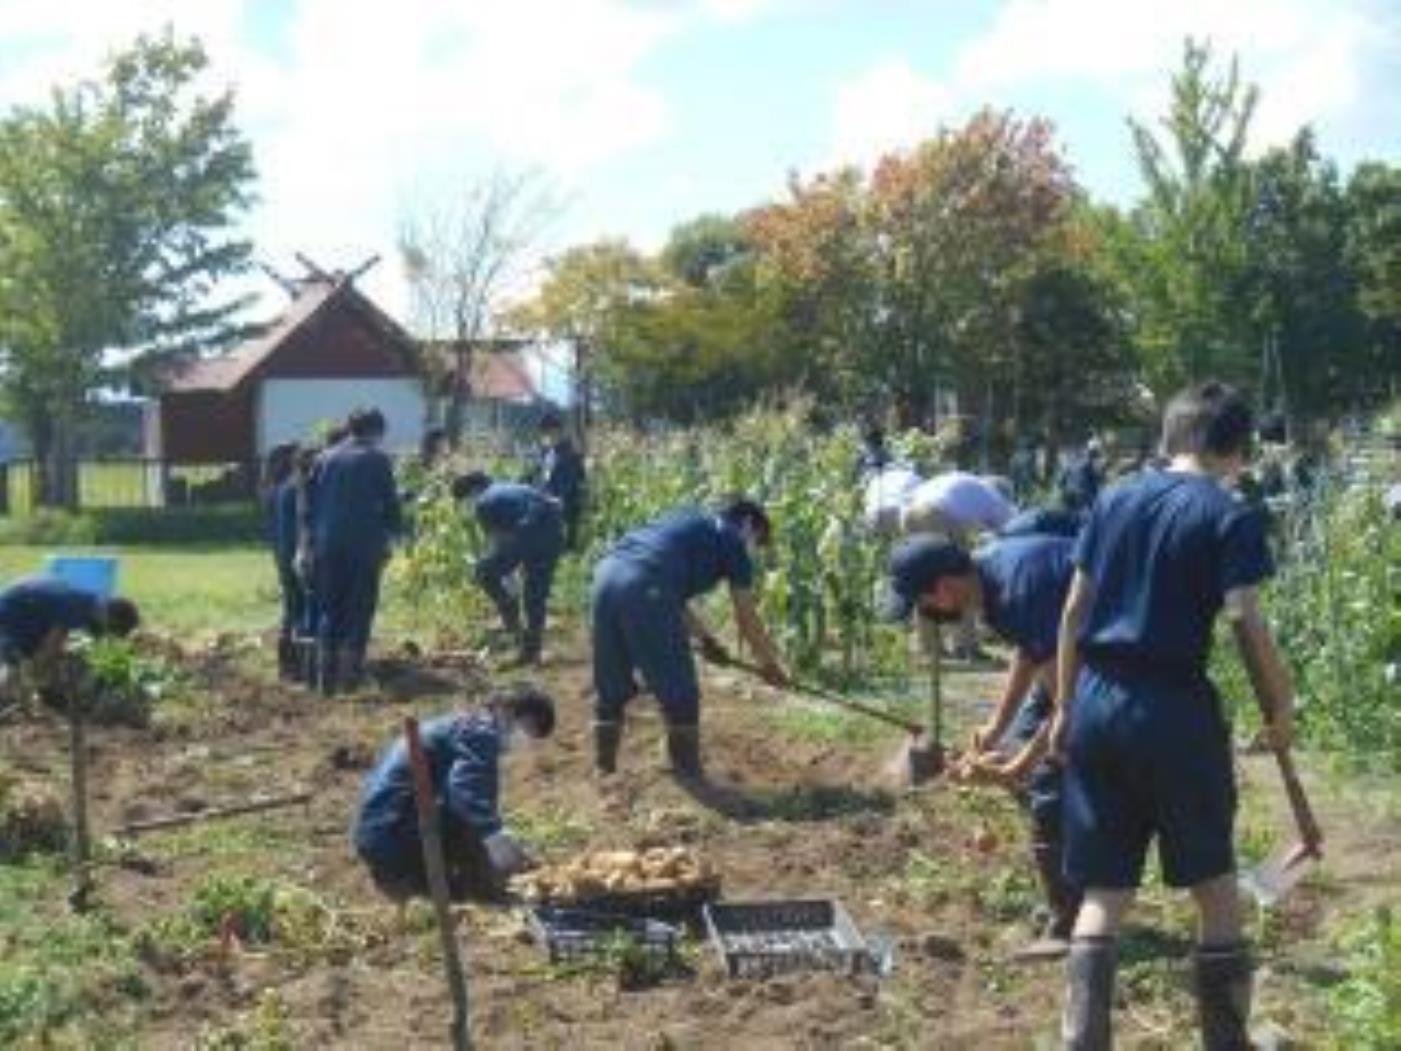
(887, 491)
(957, 506)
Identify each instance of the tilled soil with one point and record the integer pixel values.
(941, 871)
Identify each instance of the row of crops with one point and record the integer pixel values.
(1336, 604)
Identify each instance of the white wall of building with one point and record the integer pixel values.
(290, 410)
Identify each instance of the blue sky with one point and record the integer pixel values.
(643, 113)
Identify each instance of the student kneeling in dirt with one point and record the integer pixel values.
(464, 751)
(525, 531)
(641, 620)
(1018, 586)
(36, 615)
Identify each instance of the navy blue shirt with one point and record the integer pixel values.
(354, 502)
(32, 607)
(464, 757)
(285, 522)
(1025, 580)
(506, 507)
(691, 550)
(1044, 520)
(1079, 484)
(1162, 549)
(559, 470)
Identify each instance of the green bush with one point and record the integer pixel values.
(231, 524)
(1367, 1006)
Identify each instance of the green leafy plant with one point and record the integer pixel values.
(1366, 1007)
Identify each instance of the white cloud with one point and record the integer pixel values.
(889, 106)
(1306, 55)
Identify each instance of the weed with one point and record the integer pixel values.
(1366, 1008)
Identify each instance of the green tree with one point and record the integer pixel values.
(1374, 250)
(698, 252)
(1301, 285)
(118, 201)
(1192, 269)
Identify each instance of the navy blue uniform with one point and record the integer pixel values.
(464, 755)
(1049, 521)
(559, 471)
(1025, 580)
(1148, 744)
(640, 590)
(32, 607)
(1079, 484)
(354, 513)
(285, 527)
(523, 527)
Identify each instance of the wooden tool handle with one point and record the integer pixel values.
(1304, 820)
(837, 699)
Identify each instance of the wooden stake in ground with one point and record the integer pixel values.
(438, 883)
(78, 845)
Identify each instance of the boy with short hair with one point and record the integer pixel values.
(1140, 724)
(523, 529)
(464, 751)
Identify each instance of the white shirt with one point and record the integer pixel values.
(886, 494)
(965, 501)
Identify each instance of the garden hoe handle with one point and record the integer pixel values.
(818, 693)
(438, 883)
(1309, 832)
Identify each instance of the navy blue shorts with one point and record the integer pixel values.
(1147, 760)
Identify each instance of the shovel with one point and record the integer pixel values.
(1278, 874)
(918, 761)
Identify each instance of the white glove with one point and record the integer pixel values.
(505, 853)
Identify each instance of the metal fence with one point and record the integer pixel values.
(132, 482)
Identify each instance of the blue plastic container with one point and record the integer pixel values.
(96, 574)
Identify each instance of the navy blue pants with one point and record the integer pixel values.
(1043, 795)
(534, 550)
(347, 590)
(639, 626)
(395, 860)
(1147, 759)
(293, 598)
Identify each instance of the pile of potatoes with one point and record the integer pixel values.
(659, 870)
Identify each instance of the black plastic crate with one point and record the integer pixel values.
(673, 906)
(569, 933)
(763, 938)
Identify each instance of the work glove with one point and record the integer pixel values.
(507, 856)
(714, 651)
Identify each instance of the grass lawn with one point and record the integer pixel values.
(226, 588)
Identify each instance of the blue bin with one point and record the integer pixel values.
(96, 574)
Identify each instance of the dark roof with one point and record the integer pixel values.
(227, 371)
(498, 369)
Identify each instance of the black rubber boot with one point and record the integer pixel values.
(1061, 897)
(328, 671)
(286, 658)
(350, 671)
(683, 751)
(1086, 1024)
(307, 660)
(607, 736)
(1222, 977)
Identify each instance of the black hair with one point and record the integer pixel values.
(432, 442)
(525, 702)
(469, 484)
(740, 511)
(1211, 418)
(280, 460)
(366, 423)
(874, 434)
(552, 421)
(336, 433)
(120, 616)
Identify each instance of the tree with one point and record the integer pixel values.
(1194, 221)
(583, 299)
(117, 207)
(1374, 252)
(1301, 285)
(698, 252)
(462, 253)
